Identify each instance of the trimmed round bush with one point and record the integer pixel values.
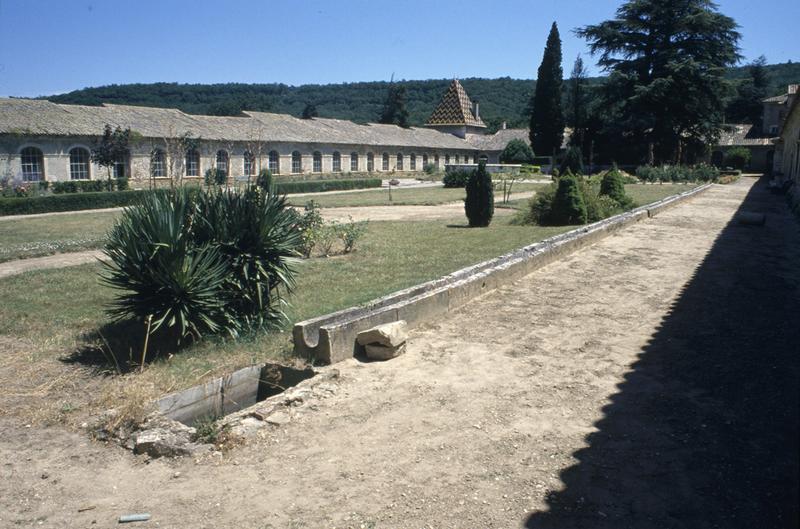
(517, 151)
(613, 186)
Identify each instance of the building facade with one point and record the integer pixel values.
(40, 140)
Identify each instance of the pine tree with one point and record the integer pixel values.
(666, 59)
(573, 161)
(394, 109)
(746, 106)
(547, 117)
(577, 97)
(479, 204)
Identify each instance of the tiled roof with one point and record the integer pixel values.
(455, 108)
(499, 140)
(39, 117)
(776, 99)
(743, 134)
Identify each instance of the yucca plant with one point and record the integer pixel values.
(200, 263)
(256, 233)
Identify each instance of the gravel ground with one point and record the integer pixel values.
(645, 381)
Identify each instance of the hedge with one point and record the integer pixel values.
(68, 202)
(113, 199)
(317, 186)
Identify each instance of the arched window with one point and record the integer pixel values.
(297, 162)
(436, 160)
(274, 164)
(412, 162)
(424, 161)
(121, 165)
(385, 163)
(158, 164)
(79, 164)
(249, 164)
(447, 159)
(337, 162)
(222, 163)
(317, 167)
(32, 162)
(354, 161)
(192, 162)
(458, 159)
(370, 162)
(399, 165)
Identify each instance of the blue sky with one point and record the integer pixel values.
(53, 46)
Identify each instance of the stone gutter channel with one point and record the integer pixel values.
(272, 394)
(332, 338)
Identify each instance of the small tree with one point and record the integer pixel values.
(738, 158)
(568, 204)
(573, 161)
(111, 147)
(517, 151)
(394, 109)
(479, 204)
(310, 111)
(613, 186)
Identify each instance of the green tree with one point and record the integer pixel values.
(111, 147)
(569, 206)
(573, 161)
(576, 114)
(517, 151)
(394, 108)
(667, 59)
(613, 186)
(310, 111)
(737, 157)
(479, 204)
(746, 105)
(547, 117)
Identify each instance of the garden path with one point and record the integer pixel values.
(646, 381)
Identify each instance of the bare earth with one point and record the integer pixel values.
(637, 383)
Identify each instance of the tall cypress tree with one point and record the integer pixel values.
(547, 116)
(394, 109)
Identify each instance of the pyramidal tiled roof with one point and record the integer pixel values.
(455, 108)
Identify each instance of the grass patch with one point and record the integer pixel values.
(24, 238)
(54, 309)
(424, 196)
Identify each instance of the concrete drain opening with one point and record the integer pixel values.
(231, 393)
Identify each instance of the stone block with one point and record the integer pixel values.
(388, 335)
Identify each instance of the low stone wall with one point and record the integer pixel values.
(332, 338)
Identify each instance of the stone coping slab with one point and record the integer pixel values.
(332, 338)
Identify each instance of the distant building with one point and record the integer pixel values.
(40, 140)
(787, 157)
(760, 141)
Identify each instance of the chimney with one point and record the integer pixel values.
(476, 110)
(504, 126)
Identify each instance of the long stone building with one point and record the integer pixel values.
(40, 140)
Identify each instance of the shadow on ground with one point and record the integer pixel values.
(703, 432)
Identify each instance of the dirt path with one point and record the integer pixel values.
(624, 386)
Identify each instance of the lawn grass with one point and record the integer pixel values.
(34, 237)
(54, 309)
(422, 196)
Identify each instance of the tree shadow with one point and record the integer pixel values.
(116, 347)
(703, 432)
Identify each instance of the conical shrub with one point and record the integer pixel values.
(479, 204)
(569, 206)
(613, 186)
